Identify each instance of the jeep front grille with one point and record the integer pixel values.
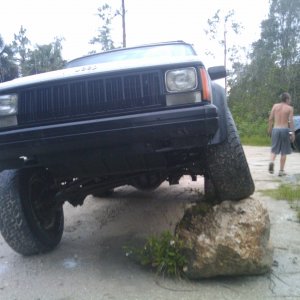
(93, 96)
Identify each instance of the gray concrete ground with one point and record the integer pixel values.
(91, 264)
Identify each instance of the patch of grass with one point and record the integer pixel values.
(255, 140)
(164, 253)
(287, 192)
(284, 192)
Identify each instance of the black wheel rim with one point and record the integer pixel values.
(45, 212)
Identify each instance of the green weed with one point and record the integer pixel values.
(164, 253)
(291, 193)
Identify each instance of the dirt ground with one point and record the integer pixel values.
(91, 264)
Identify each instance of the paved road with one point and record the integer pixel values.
(90, 263)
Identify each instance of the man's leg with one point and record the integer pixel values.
(282, 163)
(271, 164)
(273, 156)
(286, 149)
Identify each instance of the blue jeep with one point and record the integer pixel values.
(296, 144)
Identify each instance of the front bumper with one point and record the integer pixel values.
(166, 130)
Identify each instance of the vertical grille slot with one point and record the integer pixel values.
(78, 99)
(61, 99)
(132, 88)
(96, 95)
(150, 88)
(114, 93)
(44, 105)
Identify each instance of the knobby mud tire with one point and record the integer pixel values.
(19, 224)
(228, 176)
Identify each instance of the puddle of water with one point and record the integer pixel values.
(3, 269)
(70, 263)
(293, 178)
(258, 164)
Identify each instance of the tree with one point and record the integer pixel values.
(103, 38)
(107, 15)
(8, 67)
(2, 44)
(20, 47)
(19, 59)
(44, 58)
(218, 28)
(274, 67)
(284, 17)
(275, 56)
(284, 27)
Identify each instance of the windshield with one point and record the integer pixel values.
(168, 50)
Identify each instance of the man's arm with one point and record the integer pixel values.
(271, 120)
(291, 119)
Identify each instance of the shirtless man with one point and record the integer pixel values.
(281, 117)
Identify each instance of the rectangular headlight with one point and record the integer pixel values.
(8, 105)
(181, 80)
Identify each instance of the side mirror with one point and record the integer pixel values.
(217, 72)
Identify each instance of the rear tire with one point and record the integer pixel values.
(30, 222)
(228, 169)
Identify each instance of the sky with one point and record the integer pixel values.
(146, 22)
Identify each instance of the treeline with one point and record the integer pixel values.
(21, 58)
(273, 68)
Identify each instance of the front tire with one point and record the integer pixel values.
(30, 222)
(228, 176)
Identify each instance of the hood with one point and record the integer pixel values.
(96, 69)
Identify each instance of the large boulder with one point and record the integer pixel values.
(231, 238)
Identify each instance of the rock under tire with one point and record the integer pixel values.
(227, 167)
(18, 224)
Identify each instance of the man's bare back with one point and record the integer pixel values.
(281, 114)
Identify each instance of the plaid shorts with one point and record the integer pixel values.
(281, 143)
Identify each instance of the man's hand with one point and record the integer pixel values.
(270, 131)
(292, 136)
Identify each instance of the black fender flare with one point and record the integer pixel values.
(220, 101)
